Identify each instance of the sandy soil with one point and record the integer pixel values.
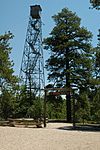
(49, 138)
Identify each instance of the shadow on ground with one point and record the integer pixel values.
(87, 128)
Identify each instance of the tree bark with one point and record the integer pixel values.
(68, 94)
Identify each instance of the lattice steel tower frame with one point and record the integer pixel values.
(32, 66)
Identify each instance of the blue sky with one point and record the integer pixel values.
(14, 16)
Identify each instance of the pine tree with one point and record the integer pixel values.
(94, 93)
(6, 65)
(7, 79)
(70, 60)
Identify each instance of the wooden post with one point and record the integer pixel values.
(45, 99)
(74, 119)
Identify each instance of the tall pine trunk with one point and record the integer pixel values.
(68, 94)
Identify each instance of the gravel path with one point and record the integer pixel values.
(50, 138)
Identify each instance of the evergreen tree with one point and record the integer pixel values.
(94, 93)
(8, 81)
(95, 111)
(6, 65)
(70, 60)
(82, 111)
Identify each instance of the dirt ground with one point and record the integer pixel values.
(55, 136)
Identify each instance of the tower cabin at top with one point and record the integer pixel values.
(35, 11)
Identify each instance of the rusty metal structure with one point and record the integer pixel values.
(32, 66)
